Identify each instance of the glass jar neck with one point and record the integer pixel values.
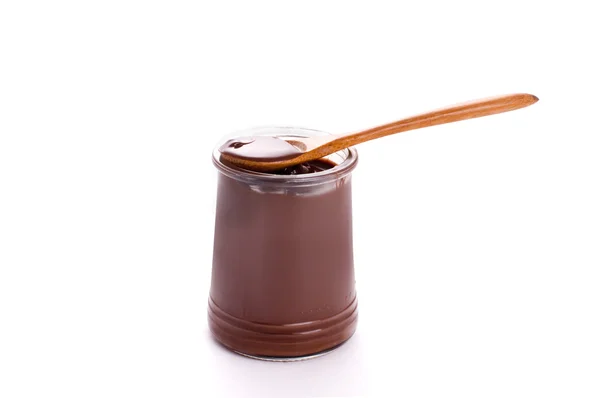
(345, 160)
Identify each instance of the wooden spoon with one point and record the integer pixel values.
(261, 153)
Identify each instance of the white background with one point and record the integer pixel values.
(476, 244)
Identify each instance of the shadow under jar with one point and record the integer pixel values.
(283, 273)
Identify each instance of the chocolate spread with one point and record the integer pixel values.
(283, 274)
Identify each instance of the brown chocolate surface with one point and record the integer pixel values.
(314, 166)
(283, 274)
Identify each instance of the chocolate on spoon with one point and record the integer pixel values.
(267, 154)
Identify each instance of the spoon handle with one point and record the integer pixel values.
(454, 113)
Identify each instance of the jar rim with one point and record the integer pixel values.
(350, 156)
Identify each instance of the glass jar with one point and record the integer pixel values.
(283, 272)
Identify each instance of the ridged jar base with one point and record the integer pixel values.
(282, 341)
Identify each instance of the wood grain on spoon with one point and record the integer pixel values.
(317, 147)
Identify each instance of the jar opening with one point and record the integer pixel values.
(331, 167)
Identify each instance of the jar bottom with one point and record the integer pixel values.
(292, 359)
(282, 342)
